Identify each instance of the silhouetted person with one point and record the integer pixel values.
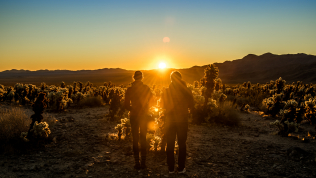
(137, 100)
(38, 107)
(177, 99)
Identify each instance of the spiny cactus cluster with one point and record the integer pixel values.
(38, 131)
(61, 97)
(292, 103)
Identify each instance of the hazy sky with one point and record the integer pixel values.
(129, 34)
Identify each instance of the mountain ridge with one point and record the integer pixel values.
(252, 67)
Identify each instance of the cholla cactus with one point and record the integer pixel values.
(203, 90)
(24, 136)
(310, 104)
(292, 126)
(268, 102)
(247, 108)
(228, 91)
(77, 97)
(62, 85)
(43, 86)
(2, 93)
(248, 84)
(176, 148)
(198, 100)
(126, 124)
(301, 91)
(58, 97)
(155, 142)
(190, 87)
(149, 138)
(289, 111)
(291, 104)
(18, 86)
(307, 97)
(310, 111)
(41, 129)
(273, 104)
(278, 124)
(277, 97)
(210, 74)
(280, 84)
(218, 84)
(271, 92)
(222, 98)
(211, 104)
(283, 112)
(196, 84)
(119, 129)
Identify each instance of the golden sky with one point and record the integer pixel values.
(78, 35)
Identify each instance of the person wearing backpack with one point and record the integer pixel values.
(177, 100)
(138, 98)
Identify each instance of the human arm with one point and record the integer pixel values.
(127, 102)
(190, 101)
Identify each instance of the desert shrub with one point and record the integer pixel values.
(285, 127)
(91, 102)
(227, 115)
(12, 122)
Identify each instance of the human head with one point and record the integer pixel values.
(175, 76)
(138, 75)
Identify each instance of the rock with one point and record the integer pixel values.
(15, 169)
(62, 120)
(305, 140)
(33, 168)
(296, 153)
(70, 119)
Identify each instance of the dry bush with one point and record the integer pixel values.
(91, 102)
(227, 115)
(12, 122)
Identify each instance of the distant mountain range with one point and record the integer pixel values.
(257, 69)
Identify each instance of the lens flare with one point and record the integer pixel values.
(166, 39)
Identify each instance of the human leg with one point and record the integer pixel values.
(143, 133)
(182, 130)
(135, 135)
(170, 136)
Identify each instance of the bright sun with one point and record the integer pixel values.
(162, 65)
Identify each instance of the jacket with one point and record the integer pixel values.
(137, 98)
(177, 99)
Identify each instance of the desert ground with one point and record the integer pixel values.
(80, 148)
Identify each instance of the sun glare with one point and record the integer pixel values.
(162, 65)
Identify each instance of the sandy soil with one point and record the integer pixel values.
(80, 149)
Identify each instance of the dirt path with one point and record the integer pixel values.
(81, 149)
